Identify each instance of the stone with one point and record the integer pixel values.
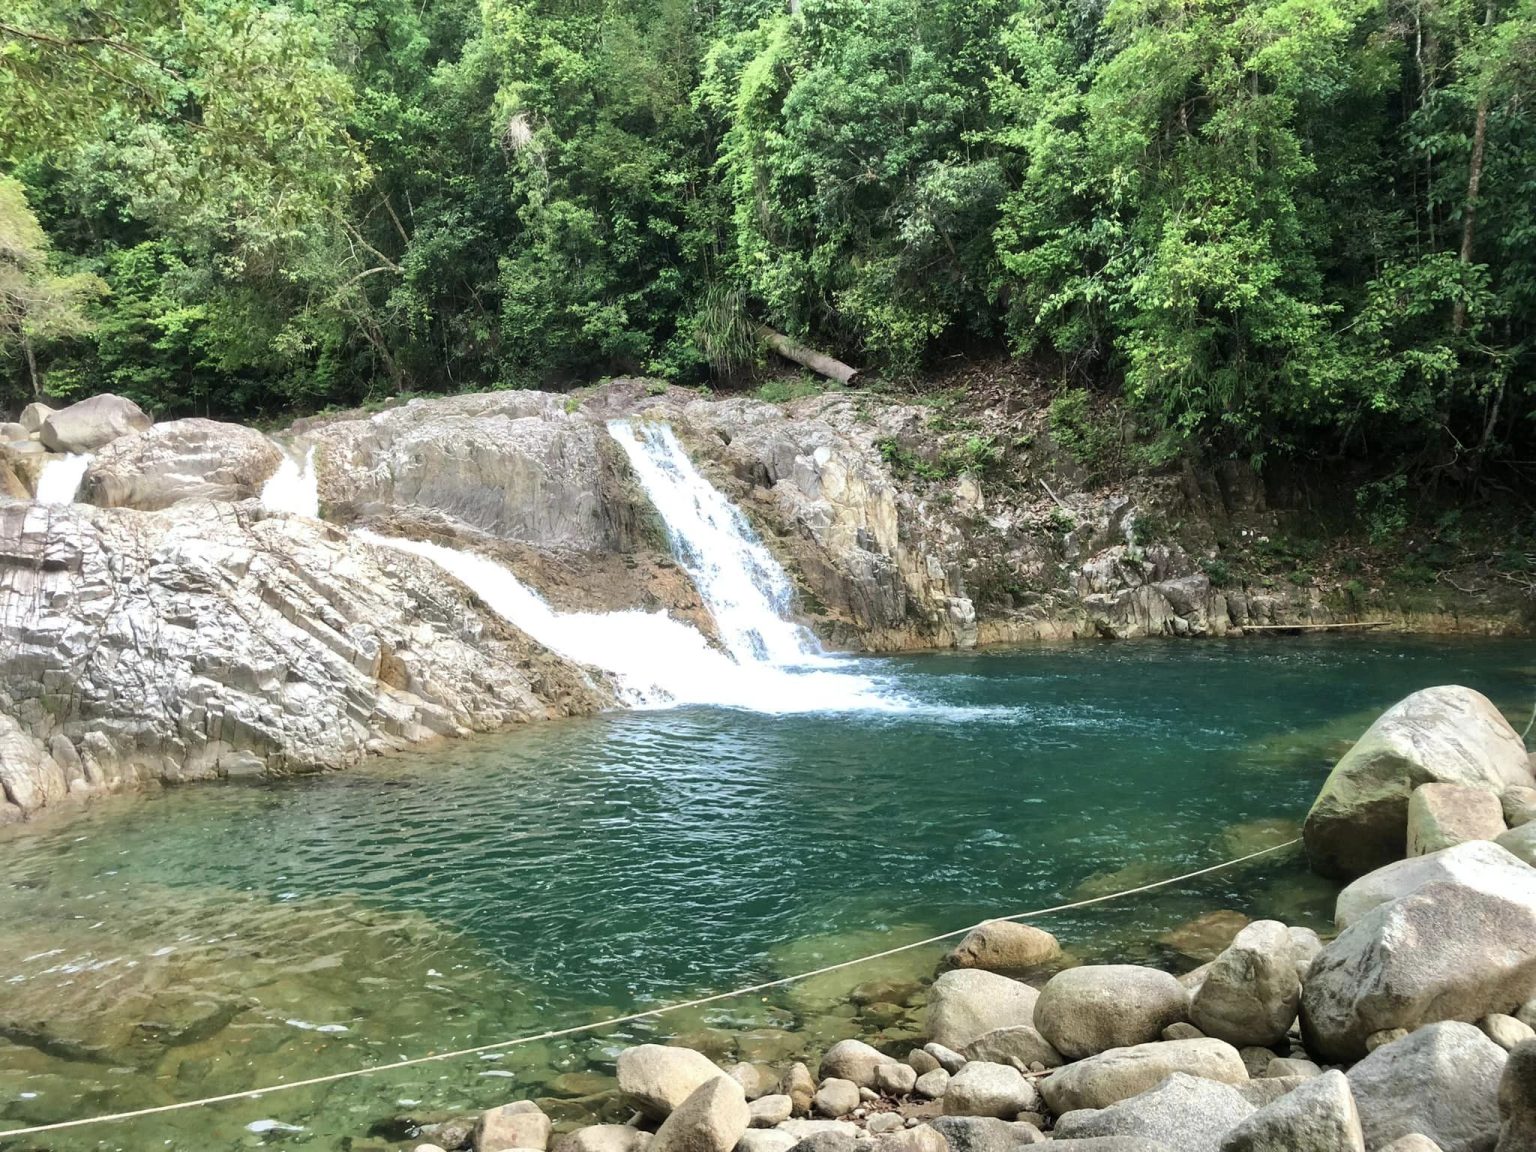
(1091, 1009)
(180, 460)
(1005, 946)
(932, 1084)
(10, 431)
(854, 1060)
(917, 1138)
(836, 1097)
(1120, 1073)
(882, 1122)
(1444, 815)
(966, 1003)
(1386, 1036)
(755, 1080)
(1478, 863)
(983, 1089)
(1115, 1144)
(1320, 1116)
(1282, 1067)
(800, 1087)
(607, 1138)
(1021, 1045)
(766, 1140)
(983, 1133)
(1526, 1013)
(33, 416)
(1519, 806)
(1413, 1142)
(657, 1078)
(1445, 735)
(1520, 842)
(1267, 1089)
(895, 1079)
(921, 1061)
(1257, 1060)
(1441, 1081)
(949, 1060)
(1251, 994)
(91, 424)
(519, 1125)
(1204, 937)
(1183, 1112)
(1182, 1030)
(769, 1111)
(812, 1129)
(1305, 945)
(1506, 1031)
(1446, 952)
(712, 1119)
(1517, 1100)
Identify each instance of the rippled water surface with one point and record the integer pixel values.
(217, 938)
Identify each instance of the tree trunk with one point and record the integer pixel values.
(26, 348)
(1474, 180)
(807, 358)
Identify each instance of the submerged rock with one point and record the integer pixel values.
(519, 1125)
(1005, 946)
(1449, 735)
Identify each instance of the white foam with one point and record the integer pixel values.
(59, 480)
(293, 488)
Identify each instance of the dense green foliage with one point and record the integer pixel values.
(1274, 225)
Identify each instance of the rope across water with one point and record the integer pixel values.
(649, 1013)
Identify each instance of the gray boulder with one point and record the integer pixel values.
(947, 1058)
(1251, 994)
(932, 1084)
(657, 1078)
(770, 1111)
(1183, 1112)
(800, 1086)
(1446, 952)
(894, 1079)
(854, 1060)
(33, 417)
(1520, 842)
(967, 1003)
(1478, 863)
(983, 1089)
(1517, 1100)
(762, 1140)
(1320, 1116)
(1441, 1081)
(712, 1119)
(1305, 945)
(1091, 1009)
(1005, 946)
(983, 1133)
(1021, 1046)
(519, 1125)
(1449, 735)
(1114, 1144)
(1443, 815)
(1121, 1073)
(91, 424)
(1286, 1067)
(836, 1097)
(919, 1139)
(1413, 1142)
(610, 1138)
(180, 460)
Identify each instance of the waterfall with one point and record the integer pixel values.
(293, 487)
(59, 480)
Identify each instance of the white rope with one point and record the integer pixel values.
(649, 1013)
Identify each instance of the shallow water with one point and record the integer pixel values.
(216, 938)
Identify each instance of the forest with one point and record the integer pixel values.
(1299, 227)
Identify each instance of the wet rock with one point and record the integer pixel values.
(1447, 735)
(983, 1133)
(770, 1111)
(657, 1078)
(712, 1119)
(519, 1125)
(1520, 842)
(1506, 1031)
(1251, 994)
(1021, 1046)
(180, 460)
(1121, 1073)
(854, 1060)
(1091, 1009)
(1183, 1112)
(1517, 1100)
(949, 1060)
(1448, 951)
(91, 424)
(754, 1079)
(932, 1084)
(606, 1138)
(1005, 946)
(1320, 1116)
(1478, 863)
(983, 1089)
(1444, 815)
(767, 1045)
(835, 1097)
(894, 1079)
(1441, 1081)
(967, 1003)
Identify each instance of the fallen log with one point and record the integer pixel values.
(817, 362)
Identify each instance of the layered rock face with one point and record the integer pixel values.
(209, 640)
(180, 460)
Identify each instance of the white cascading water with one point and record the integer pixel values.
(293, 487)
(769, 663)
(59, 480)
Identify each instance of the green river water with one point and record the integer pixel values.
(217, 938)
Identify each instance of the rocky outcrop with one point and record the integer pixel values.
(1448, 735)
(180, 460)
(91, 424)
(210, 640)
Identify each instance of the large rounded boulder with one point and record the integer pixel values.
(967, 1003)
(1446, 735)
(181, 460)
(1084, 1011)
(1478, 863)
(657, 1078)
(91, 424)
(1252, 991)
(1441, 1082)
